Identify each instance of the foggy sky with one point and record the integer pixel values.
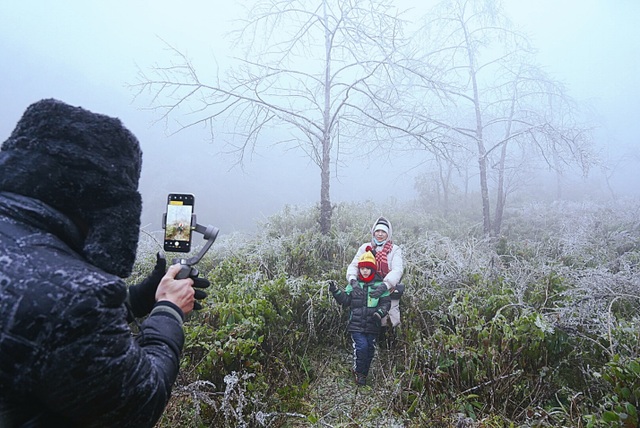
(85, 53)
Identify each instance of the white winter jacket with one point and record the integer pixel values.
(394, 258)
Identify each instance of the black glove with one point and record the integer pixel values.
(198, 284)
(332, 287)
(354, 283)
(356, 289)
(142, 296)
(379, 291)
(377, 319)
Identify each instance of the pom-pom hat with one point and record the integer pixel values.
(367, 259)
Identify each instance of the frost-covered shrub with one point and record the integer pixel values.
(518, 329)
(258, 327)
(477, 341)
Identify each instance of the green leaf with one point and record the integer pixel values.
(609, 416)
(631, 410)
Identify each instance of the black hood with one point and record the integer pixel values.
(85, 165)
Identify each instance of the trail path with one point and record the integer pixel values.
(336, 401)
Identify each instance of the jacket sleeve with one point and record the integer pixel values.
(104, 377)
(343, 297)
(396, 264)
(352, 269)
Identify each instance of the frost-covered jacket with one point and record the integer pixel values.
(67, 354)
(69, 228)
(362, 306)
(394, 259)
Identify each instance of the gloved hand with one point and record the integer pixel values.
(333, 287)
(198, 284)
(354, 283)
(377, 319)
(379, 291)
(142, 296)
(357, 292)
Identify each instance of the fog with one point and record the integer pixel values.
(86, 54)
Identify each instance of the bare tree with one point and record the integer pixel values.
(308, 78)
(539, 119)
(494, 99)
(445, 176)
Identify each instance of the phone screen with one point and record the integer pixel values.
(177, 230)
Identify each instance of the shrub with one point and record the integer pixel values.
(621, 399)
(536, 328)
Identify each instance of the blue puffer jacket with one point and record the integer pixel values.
(362, 306)
(67, 354)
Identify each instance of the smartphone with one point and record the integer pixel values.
(177, 226)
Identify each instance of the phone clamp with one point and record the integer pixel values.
(210, 233)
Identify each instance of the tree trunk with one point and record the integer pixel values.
(484, 189)
(445, 182)
(500, 192)
(482, 152)
(325, 175)
(557, 167)
(482, 165)
(325, 182)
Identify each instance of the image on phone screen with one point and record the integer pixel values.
(177, 231)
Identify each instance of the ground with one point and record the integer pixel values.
(336, 401)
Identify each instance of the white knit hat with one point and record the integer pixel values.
(381, 226)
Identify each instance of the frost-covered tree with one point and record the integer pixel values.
(307, 77)
(492, 100)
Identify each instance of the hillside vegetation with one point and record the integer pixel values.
(536, 328)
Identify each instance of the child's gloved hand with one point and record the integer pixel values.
(377, 319)
(379, 291)
(333, 287)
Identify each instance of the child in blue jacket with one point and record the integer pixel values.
(366, 313)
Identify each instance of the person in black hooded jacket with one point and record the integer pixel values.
(69, 224)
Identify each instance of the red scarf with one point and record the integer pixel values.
(369, 278)
(381, 258)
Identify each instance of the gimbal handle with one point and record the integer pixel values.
(210, 234)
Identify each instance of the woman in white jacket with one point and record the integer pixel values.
(390, 265)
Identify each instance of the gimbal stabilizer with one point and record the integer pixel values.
(210, 234)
